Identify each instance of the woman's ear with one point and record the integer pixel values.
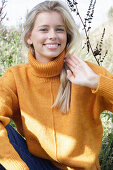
(28, 38)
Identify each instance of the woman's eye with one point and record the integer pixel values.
(60, 30)
(44, 29)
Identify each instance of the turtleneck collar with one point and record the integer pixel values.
(50, 69)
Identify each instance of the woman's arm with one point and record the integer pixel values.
(9, 158)
(84, 74)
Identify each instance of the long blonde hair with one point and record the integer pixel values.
(63, 97)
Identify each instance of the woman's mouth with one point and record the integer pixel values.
(52, 46)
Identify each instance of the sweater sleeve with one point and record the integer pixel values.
(105, 89)
(9, 158)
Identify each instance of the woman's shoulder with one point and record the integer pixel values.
(18, 67)
(16, 70)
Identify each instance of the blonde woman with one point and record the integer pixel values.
(55, 99)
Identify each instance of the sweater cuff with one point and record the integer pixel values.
(105, 87)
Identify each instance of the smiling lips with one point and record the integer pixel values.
(52, 45)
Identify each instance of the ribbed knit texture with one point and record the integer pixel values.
(27, 93)
(50, 69)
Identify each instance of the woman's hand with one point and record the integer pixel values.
(81, 74)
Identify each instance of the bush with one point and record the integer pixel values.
(10, 48)
(106, 155)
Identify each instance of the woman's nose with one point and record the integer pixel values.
(52, 34)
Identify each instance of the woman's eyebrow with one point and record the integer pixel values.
(61, 25)
(43, 26)
(48, 26)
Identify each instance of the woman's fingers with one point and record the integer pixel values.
(73, 58)
(70, 62)
(80, 73)
(75, 64)
(75, 61)
(69, 73)
(72, 68)
(70, 76)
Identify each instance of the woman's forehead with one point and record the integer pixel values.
(53, 17)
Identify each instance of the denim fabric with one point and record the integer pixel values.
(1, 167)
(33, 162)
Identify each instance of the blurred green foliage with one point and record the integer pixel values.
(10, 48)
(106, 155)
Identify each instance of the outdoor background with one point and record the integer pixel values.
(13, 51)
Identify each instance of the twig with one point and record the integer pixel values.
(2, 16)
(89, 16)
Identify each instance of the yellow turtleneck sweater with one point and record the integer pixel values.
(27, 93)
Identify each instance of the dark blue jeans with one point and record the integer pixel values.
(33, 162)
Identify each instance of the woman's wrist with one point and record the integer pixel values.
(94, 83)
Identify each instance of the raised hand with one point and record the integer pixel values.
(81, 74)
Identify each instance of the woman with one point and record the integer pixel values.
(55, 105)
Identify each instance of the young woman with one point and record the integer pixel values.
(55, 99)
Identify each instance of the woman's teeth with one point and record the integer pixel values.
(52, 45)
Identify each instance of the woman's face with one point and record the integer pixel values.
(48, 36)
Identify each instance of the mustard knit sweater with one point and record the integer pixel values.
(27, 93)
